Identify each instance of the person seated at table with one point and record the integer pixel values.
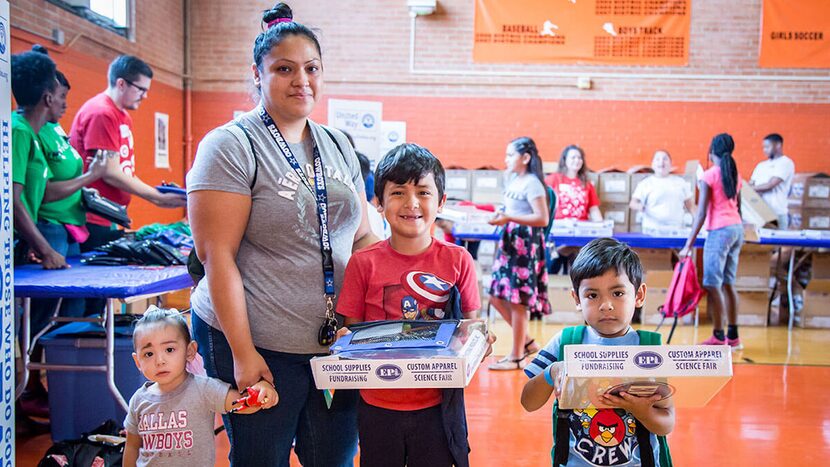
(576, 198)
(663, 198)
(41, 100)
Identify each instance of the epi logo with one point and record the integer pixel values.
(648, 360)
(389, 372)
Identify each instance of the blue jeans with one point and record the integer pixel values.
(324, 437)
(42, 308)
(720, 255)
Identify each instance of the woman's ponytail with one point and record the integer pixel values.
(723, 146)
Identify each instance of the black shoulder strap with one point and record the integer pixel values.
(644, 442)
(253, 151)
(334, 140)
(561, 445)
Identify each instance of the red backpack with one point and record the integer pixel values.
(684, 293)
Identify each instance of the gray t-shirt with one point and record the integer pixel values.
(520, 191)
(279, 256)
(177, 428)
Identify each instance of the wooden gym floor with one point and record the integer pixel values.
(774, 412)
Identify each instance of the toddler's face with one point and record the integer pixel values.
(608, 301)
(161, 353)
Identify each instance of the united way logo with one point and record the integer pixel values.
(2, 37)
(427, 288)
(648, 360)
(389, 372)
(368, 121)
(393, 136)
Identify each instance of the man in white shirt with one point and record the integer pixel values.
(773, 177)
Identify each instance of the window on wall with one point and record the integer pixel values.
(109, 14)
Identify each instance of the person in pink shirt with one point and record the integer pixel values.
(720, 206)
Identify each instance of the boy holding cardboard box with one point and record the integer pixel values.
(407, 277)
(607, 287)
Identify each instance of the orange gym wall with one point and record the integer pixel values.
(472, 132)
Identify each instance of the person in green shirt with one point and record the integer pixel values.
(36, 90)
(41, 99)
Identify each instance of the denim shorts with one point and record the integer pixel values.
(324, 436)
(720, 255)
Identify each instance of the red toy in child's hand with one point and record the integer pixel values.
(249, 399)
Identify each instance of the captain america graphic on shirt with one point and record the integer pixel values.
(418, 296)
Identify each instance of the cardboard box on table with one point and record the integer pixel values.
(811, 190)
(809, 218)
(690, 374)
(458, 184)
(487, 186)
(617, 212)
(614, 186)
(451, 367)
(754, 209)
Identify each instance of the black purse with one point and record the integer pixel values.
(98, 205)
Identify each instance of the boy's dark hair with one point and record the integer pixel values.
(168, 316)
(774, 138)
(283, 26)
(408, 163)
(128, 68)
(33, 75)
(602, 255)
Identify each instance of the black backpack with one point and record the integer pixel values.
(194, 265)
(82, 452)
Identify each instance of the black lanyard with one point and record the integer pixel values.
(321, 196)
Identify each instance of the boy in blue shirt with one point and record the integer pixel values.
(607, 279)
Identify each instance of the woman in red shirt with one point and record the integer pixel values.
(576, 197)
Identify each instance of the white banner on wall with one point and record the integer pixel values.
(392, 134)
(7, 371)
(361, 120)
(162, 141)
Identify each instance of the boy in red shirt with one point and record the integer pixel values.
(409, 277)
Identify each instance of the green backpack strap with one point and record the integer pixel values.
(570, 336)
(655, 338)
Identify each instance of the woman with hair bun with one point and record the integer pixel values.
(720, 206)
(272, 196)
(520, 281)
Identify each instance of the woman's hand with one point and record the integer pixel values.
(249, 369)
(686, 251)
(499, 219)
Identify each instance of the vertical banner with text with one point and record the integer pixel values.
(361, 120)
(795, 34)
(7, 370)
(601, 32)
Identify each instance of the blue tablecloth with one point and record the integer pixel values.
(636, 240)
(797, 242)
(81, 281)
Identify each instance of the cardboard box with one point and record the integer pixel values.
(815, 312)
(657, 289)
(563, 228)
(451, 368)
(487, 186)
(617, 212)
(753, 307)
(636, 178)
(754, 209)
(458, 184)
(821, 266)
(690, 374)
(810, 190)
(809, 218)
(753, 268)
(614, 187)
(670, 232)
(655, 259)
(563, 309)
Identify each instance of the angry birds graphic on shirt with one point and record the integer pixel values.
(604, 437)
(420, 295)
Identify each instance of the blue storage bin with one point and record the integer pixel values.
(80, 401)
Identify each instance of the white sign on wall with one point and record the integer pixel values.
(7, 371)
(361, 120)
(392, 134)
(162, 141)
